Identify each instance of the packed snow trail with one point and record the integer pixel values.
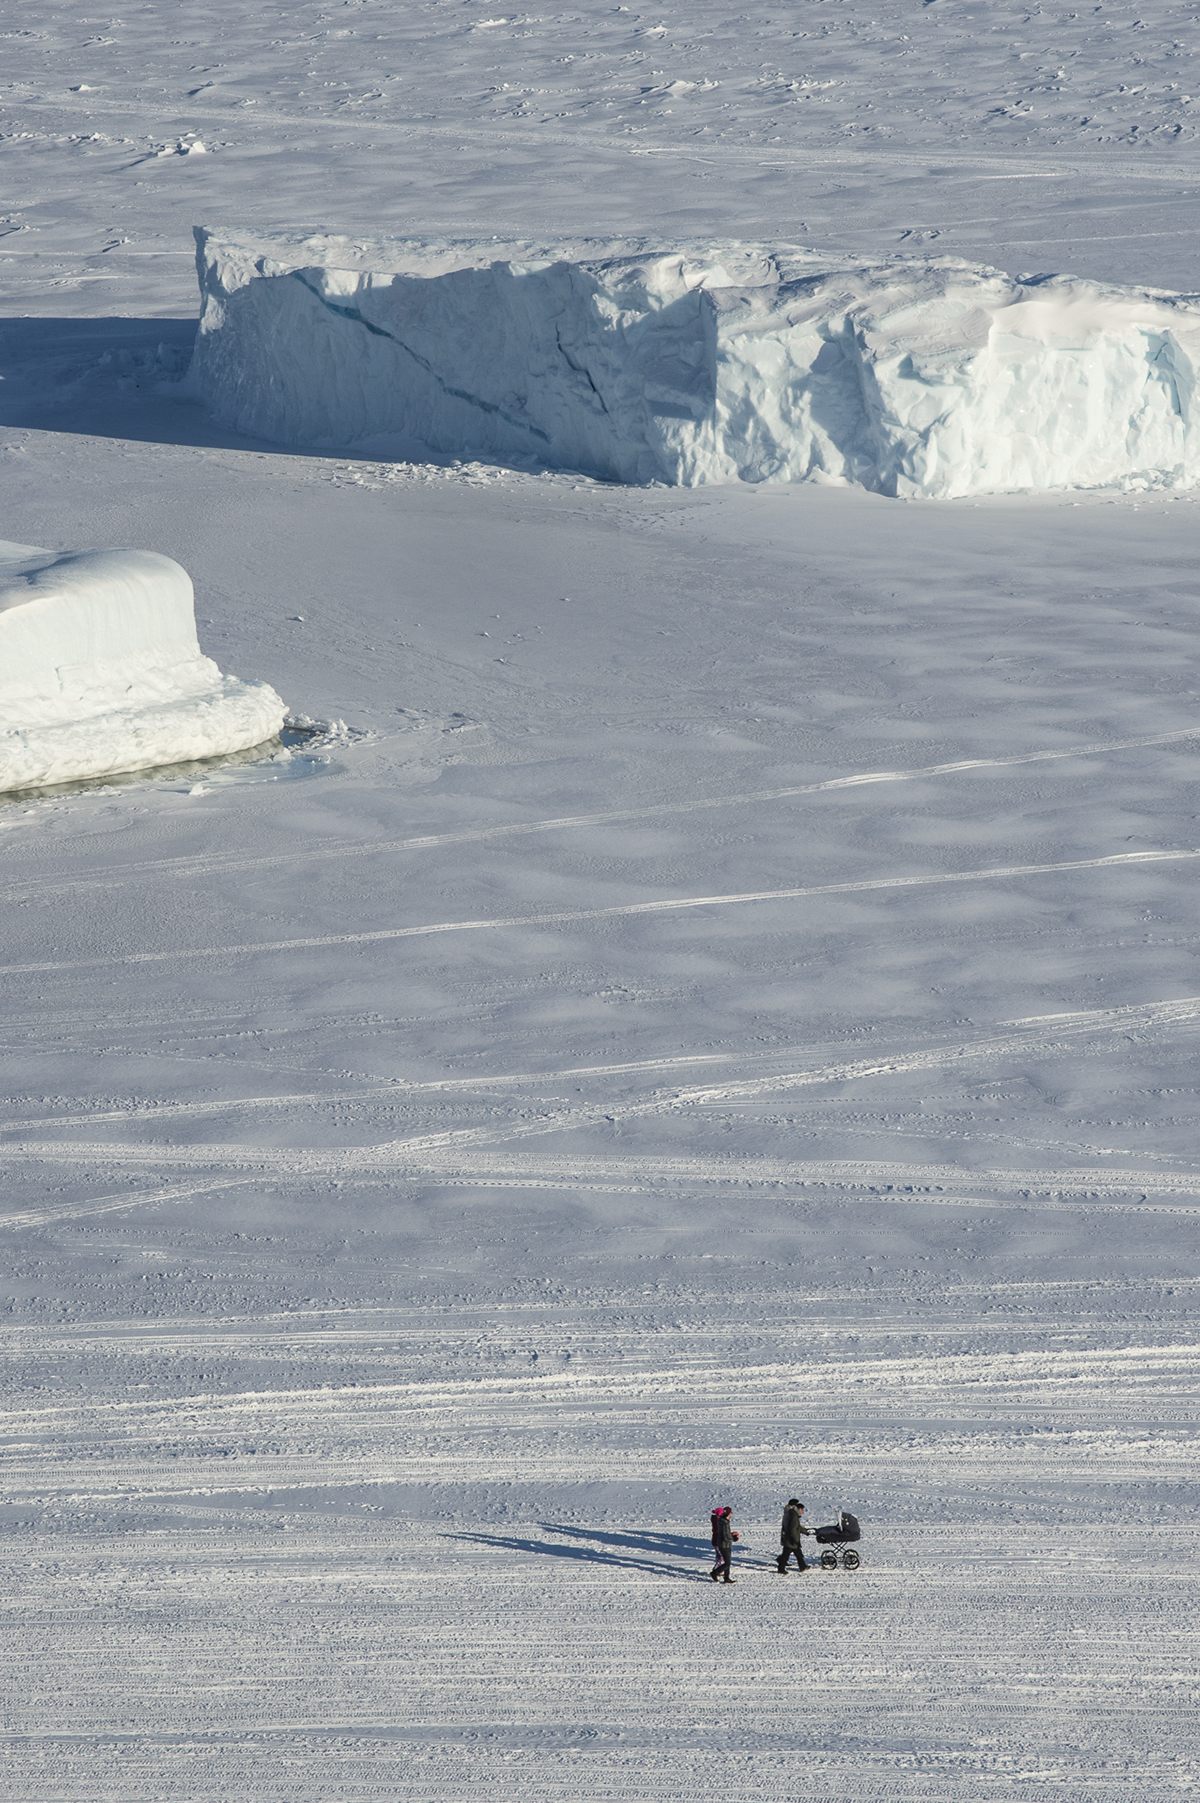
(652, 811)
(678, 904)
(380, 1512)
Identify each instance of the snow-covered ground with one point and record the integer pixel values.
(711, 1017)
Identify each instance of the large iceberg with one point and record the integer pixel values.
(101, 670)
(644, 362)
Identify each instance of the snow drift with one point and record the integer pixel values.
(101, 670)
(689, 364)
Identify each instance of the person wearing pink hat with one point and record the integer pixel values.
(723, 1538)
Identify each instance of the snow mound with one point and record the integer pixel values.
(101, 670)
(685, 364)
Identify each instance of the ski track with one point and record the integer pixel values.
(625, 910)
(194, 866)
(876, 1180)
(393, 1432)
(1018, 1036)
(1015, 1035)
(471, 1156)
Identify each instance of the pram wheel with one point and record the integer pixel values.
(829, 1560)
(850, 1559)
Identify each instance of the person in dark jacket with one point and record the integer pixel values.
(790, 1535)
(723, 1538)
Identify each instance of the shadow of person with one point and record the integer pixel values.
(682, 1546)
(593, 1554)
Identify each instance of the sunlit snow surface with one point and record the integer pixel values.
(742, 950)
(100, 671)
(701, 363)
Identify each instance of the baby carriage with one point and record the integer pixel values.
(834, 1540)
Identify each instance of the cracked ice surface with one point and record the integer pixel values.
(647, 362)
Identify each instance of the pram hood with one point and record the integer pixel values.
(844, 1528)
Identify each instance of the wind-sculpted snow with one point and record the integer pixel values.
(101, 670)
(683, 364)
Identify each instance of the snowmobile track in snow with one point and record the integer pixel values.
(194, 866)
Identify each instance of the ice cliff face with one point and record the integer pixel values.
(101, 671)
(686, 364)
